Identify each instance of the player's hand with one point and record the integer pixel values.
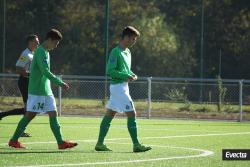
(65, 86)
(132, 78)
(135, 77)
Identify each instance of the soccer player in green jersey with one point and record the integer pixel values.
(118, 68)
(40, 96)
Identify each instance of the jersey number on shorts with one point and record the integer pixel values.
(38, 106)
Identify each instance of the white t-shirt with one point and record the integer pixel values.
(25, 60)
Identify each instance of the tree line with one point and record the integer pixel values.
(170, 42)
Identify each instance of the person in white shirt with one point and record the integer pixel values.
(23, 69)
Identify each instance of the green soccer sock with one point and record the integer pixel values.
(20, 128)
(56, 129)
(132, 128)
(104, 127)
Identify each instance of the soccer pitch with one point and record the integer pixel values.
(175, 143)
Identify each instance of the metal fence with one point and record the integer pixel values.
(213, 98)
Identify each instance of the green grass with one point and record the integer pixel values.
(169, 139)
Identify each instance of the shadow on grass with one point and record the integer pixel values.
(32, 152)
(46, 123)
(9, 151)
(56, 152)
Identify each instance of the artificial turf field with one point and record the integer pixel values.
(175, 143)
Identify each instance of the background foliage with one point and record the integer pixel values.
(169, 45)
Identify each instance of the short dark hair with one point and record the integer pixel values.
(54, 34)
(31, 37)
(130, 31)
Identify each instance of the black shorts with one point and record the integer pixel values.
(23, 83)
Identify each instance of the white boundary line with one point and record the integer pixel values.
(184, 136)
(158, 129)
(203, 154)
(139, 128)
(162, 137)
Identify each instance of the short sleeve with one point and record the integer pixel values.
(23, 61)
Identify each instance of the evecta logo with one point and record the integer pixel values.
(236, 154)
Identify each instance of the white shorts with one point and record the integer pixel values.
(120, 99)
(41, 103)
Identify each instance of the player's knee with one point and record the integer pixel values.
(111, 113)
(30, 115)
(131, 114)
(52, 113)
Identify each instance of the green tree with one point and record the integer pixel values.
(169, 44)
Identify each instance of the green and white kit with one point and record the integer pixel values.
(119, 69)
(41, 98)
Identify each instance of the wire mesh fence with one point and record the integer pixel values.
(172, 35)
(154, 97)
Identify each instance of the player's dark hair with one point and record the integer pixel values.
(31, 37)
(54, 34)
(130, 31)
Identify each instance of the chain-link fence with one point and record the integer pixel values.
(154, 97)
(175, 36)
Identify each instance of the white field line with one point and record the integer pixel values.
(157, 129)
(139, 128)
(162, 137)
(203, 154)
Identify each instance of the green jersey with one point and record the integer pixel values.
(119, 65)
(40, 76)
